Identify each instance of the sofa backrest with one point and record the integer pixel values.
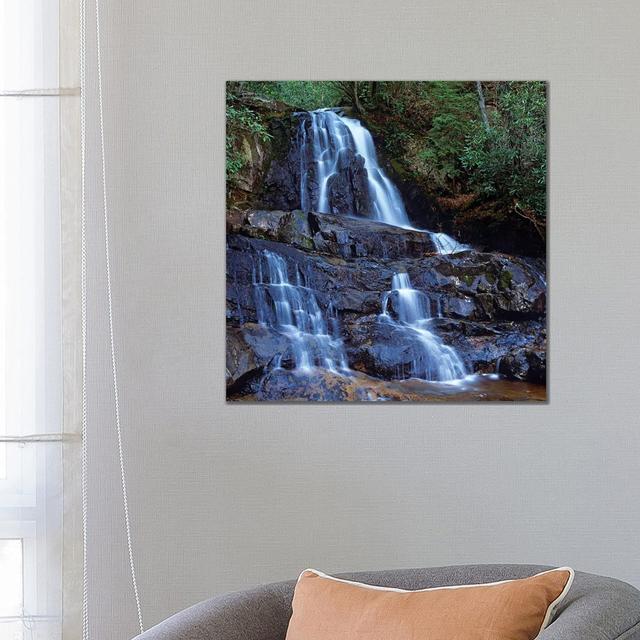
(595, 605)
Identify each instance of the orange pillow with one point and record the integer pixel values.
(326, 608)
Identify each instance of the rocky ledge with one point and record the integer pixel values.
(337, 235)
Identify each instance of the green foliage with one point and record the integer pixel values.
(302, 94)
(245, 118)
(241, 120)
(426, 127)
(454, 113)
(396, 137)
(235, 160)
(508, 160)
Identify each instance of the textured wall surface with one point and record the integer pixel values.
(223, 497)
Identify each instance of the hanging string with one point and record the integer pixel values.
(83, 313)
(114, 370)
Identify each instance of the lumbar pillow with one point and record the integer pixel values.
(326, 608)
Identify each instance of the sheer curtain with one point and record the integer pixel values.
(33, 553)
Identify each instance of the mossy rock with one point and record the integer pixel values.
(506, 277)
(295, 230)
(399, 169)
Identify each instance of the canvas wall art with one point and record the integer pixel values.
(386, 241)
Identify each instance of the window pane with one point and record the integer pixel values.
(29, 45)
(11, 588)
(30, 299)
(3, 460)
(31, 540)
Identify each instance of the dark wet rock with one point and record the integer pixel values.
(500, 286)
(379, 348)
(422, 208)
(322, 386)
(352, 237)
(343, 236)
(235, 220)
(264, 224)
(348, 191)
(537, 359)
(513, 349)
(525, 364)
(460, 307)
(252, 347)
(280, 185)
(296, 230)
(291, 227)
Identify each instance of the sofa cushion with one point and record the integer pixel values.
(326, 607)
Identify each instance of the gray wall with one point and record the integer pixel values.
(223, 497)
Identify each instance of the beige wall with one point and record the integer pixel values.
(223, 497)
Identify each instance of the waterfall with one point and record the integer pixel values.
(332, 138)
(325, 153)
(294, 312)
(433, 359)
(385, 197)
(330, 142)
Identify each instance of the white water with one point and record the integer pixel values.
(433, 359)
(294, 312)
(446, 244)
(385, 197)
(329, 141)
(332, 136)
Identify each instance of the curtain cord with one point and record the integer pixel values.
(83, 286)
(114, 369)
(105, 211)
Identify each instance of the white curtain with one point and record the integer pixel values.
(32, 382)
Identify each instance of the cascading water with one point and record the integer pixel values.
(332, 137)
(433, 359)
(324, 153)
(385, 197)
(293, 311)
(446, 244)
(330, 143)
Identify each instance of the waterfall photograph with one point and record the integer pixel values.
(386, 241)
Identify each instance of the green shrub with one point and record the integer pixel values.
(241, 120)
(301, 94)
(508, 159)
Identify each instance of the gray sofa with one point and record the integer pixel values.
(596, 608)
